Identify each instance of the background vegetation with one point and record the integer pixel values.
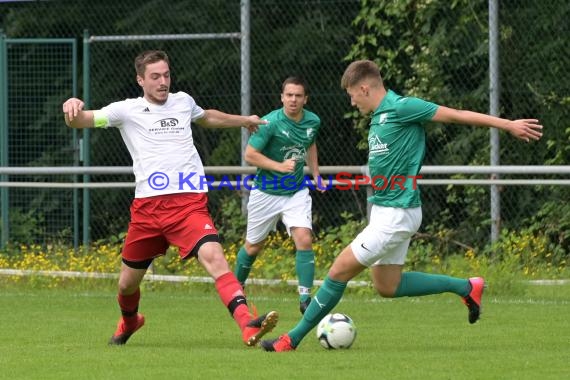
(434, 49)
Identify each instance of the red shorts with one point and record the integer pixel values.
(181, 220)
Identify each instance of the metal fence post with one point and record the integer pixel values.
(76, 149)
(4, 195)
(86, 156)
(494, 98)
(245, 84)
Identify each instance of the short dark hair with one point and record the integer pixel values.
(358, 71)
(298, 80)
(148, 57)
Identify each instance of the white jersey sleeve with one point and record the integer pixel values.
(115, 113)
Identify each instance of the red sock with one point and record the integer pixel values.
(231, 294)
(129, 305)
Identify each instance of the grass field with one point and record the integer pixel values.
(62, 334)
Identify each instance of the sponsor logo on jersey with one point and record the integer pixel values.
(296, 152)
(377, 146)
(168, 122)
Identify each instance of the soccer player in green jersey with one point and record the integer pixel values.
(396, 150)
(280, 149)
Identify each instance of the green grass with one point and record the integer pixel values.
(62, 334)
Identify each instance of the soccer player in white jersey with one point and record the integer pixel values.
(170, 205)
(280, 149)
(396, 142)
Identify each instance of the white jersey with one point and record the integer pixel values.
(159, 139)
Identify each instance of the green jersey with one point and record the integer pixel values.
(396, 143)
(280, 140)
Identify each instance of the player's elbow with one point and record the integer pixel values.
(80, 124)
(249, 159)
(249, 156)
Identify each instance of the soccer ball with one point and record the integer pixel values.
(336, 331)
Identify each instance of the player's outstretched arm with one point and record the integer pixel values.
(218, 119)
(524, 129)
(74, 115)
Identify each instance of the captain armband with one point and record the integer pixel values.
(100, 120)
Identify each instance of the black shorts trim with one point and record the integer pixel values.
(138, 264)
(214, 238)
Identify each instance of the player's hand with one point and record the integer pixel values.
(320, 185)
(71, 107)
(288, 166)
(525, 129)
(253, 122)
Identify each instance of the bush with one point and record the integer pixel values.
(517, 256)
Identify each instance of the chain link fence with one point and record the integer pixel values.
(34, 68)
(433, 49)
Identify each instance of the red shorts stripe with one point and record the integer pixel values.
(172, 219)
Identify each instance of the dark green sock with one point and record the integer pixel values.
(305, 267)
(422, 284)
(325, 300)
(244, 262)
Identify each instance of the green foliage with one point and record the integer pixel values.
(434, 49)
(536, 255)
(421, 50)
(26, 226)
(552, 217)
(516, 257)
(333, 240)
(428, 48)
(470, 206)
(230, 219)
(553, 220)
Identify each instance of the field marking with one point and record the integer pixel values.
(175, 278)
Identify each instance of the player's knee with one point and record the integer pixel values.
(338, 274)
(303, 241)
(211, 253)
(218, 264)
(216, 268)
(127, 288)
(385, 291)
(253, 249)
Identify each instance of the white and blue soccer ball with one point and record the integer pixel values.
(336, 331)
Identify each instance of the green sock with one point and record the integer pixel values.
(325, 300)
(305, 267)
(244, 262)
(422, 284)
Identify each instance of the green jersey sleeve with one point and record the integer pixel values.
(415, 110)
(259, 139)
